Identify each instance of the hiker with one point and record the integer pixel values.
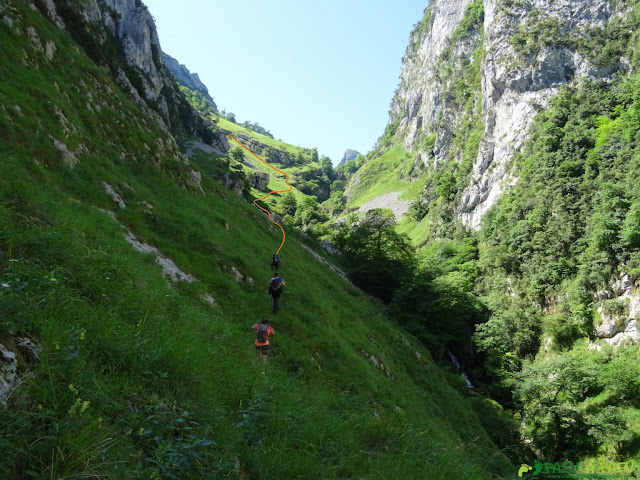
(262, 338)
(275, 262)
(275, 290)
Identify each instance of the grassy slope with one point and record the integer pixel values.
(263, 139)
(216, 165)
(383, 175)
(276, 182)
(235, 128)
(143, 352)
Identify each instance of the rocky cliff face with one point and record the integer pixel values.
(135, 60)
(524, 52)
(132, 25)
(187, 79)
(348, 155)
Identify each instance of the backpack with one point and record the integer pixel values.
(262, 333)
(275, 261)
(275, 286)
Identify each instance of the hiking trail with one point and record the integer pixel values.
(272, 191)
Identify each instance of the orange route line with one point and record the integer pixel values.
(272, 191)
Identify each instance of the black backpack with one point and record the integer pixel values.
(275, 261)
(275, 286)
(262, 333)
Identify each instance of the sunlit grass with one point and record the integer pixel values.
(142, 378)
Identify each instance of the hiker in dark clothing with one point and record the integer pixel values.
(275, 262)
(262, 338)
(276, 285)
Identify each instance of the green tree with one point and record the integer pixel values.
(289, 204)
(327, 168)
(237, 153)
(337, 202)
(418, 209)
(378, 258)
(631, 228)
(439, 309)
(608, 216)
(610, 426)
(308, 213)
(550, 392)
(266, 154)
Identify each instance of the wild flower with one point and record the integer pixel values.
(79, 406)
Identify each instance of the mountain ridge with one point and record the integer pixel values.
(187, 79)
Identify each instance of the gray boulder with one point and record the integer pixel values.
(259, 180)
(234, 181)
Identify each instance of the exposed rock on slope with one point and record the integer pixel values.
(513, 89)
(8, 371)
(187, 79)
(141, 70)
(387, 200)
(348, 155)
(525, 52)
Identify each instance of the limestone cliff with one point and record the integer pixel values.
(187, 79)
(348, 155)
(474, 76)
(121, 35)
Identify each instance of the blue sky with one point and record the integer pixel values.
(315, 73)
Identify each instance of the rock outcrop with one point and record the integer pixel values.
(525, 51)
(8, 371)
(143, 75)
(131, 23)
(259, 180)
(348, 155)
(169, 268)
(187, 79)
(619, 310)
(234, 181)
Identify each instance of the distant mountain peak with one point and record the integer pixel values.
(348, 155)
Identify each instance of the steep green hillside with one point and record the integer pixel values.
(560, 240)
(241, 168)
(383, 174)
(135, 376)
(310, 175)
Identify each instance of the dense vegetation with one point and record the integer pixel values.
(520, 300)
(570, 225)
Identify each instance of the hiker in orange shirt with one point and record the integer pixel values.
(262, 338)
